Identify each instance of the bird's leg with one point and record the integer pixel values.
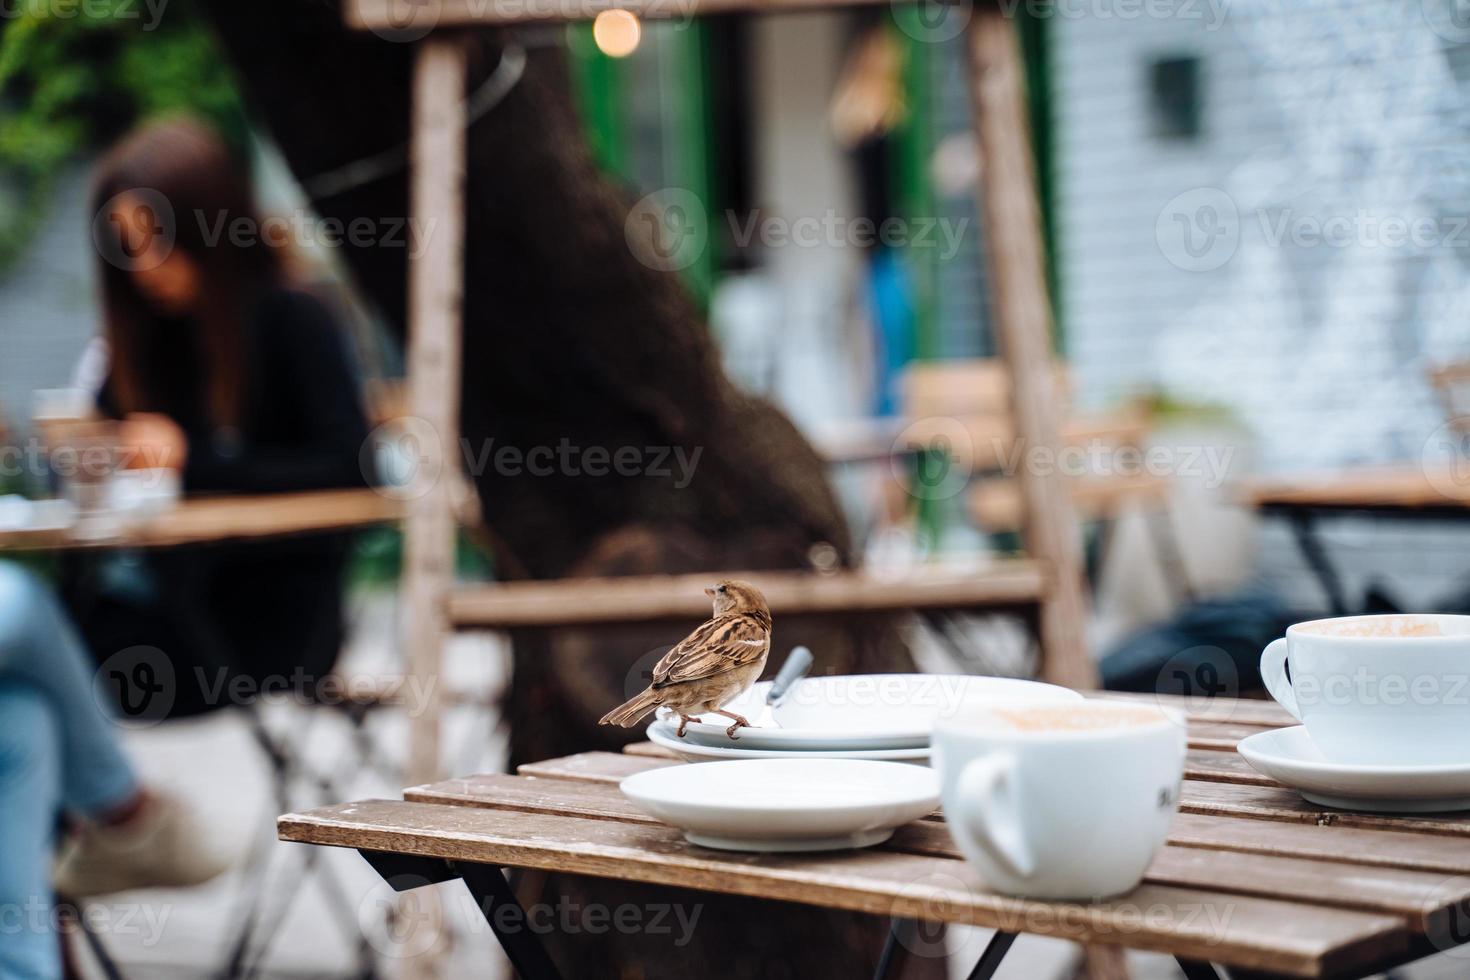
(740, 722)
(683, 721)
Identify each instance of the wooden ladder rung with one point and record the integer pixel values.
(418, 15)
(1011, 582)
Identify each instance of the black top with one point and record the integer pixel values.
(269, 612)
(303, 424)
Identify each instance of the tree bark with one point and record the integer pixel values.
(570, 340)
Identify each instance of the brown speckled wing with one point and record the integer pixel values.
(718, 646)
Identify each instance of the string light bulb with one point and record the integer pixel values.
(617, 33)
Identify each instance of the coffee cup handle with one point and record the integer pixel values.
(990, 819)
(1273, 674)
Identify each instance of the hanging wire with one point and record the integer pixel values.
(490, 93)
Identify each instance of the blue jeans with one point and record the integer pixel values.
(58, 752)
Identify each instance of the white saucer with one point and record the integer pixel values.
(1289, 755)
(863, 711)
(662, 733)
(786, 804)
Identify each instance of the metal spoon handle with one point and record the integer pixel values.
(798, 662)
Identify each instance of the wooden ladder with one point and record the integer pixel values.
(1051, 579)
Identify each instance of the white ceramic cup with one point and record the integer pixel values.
(1061, 801)
(1378, 690)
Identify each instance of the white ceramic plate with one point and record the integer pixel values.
(862, 711)
(662, 733)
(1288, 755)
(786, 804)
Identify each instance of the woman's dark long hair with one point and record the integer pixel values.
(183, 168)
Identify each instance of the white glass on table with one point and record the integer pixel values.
(85, 455)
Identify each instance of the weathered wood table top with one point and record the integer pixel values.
(211, 519)
(1407, 488)
(1252, 877)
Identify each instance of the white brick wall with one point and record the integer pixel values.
(1311, 110)
(47, 306)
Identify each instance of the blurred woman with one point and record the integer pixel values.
(60, 754)
(217, 368)
(220, 368)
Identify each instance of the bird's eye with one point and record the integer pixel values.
(721, 589)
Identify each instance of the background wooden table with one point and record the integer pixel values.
(1378, 488)
(1405, 493)
(1252, 876)
(204, 520)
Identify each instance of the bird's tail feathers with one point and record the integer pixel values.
(629, 714)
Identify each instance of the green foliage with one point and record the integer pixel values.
(1167, 408)
(377, 559)
(76, 74)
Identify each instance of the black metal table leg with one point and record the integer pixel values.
(1197, 970)
(405, 872)
(492, 894)
(1305, 529)
(72, 917)
(995, 951)
(890, 948)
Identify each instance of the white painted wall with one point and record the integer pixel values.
(1313, 110)
(47, 302)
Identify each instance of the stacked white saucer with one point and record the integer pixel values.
(786, 804)
(1384, 703)
(816, 769)
(886, 717)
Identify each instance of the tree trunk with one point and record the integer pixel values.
(570, 341)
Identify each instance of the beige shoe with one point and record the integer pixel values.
(160, 846)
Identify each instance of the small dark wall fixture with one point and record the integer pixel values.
(1175, 97)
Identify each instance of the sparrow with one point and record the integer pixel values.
(710, 666)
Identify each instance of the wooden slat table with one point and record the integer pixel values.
(205, 520)
(1383, 488)
(1251, 877)
(1406, 492)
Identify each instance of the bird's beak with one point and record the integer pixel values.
(710, 593)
